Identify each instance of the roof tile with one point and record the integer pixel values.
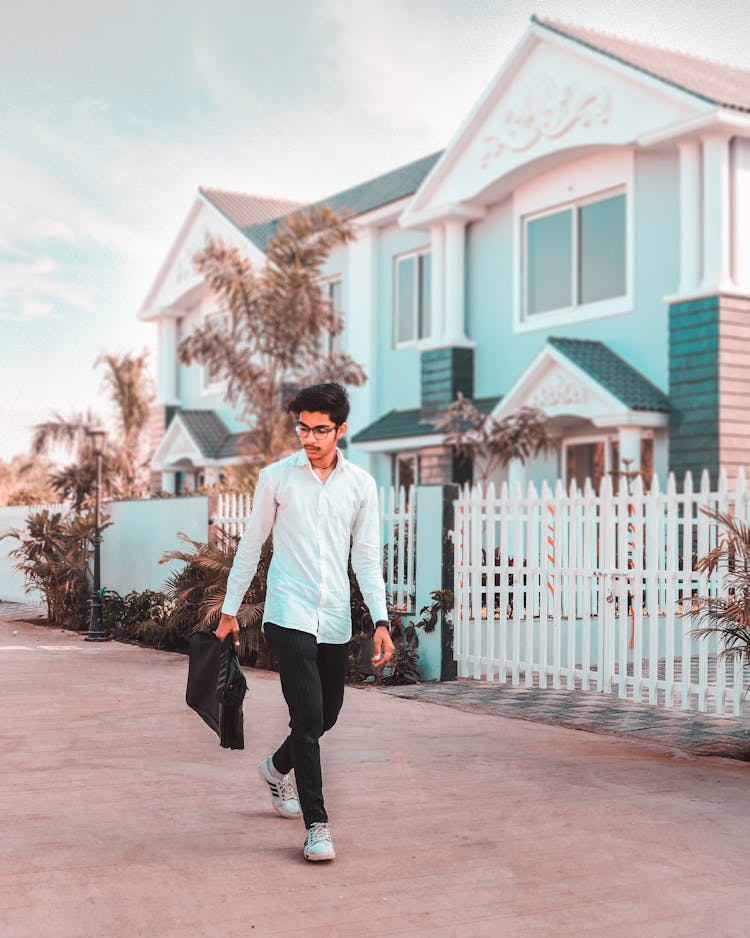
(400, 424)
(207, 429)
(246, 210)
(369, 195)
(613, 373)
(715, 82)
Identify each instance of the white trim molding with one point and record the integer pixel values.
(397, 444)
(573, 185)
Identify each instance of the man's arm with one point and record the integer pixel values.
(245, 563)
(366, 563)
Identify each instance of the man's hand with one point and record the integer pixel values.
(382, 645)
(227, 625)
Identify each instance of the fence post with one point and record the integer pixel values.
(434, 571)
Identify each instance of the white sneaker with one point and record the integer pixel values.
(283, 795)
(319, 845)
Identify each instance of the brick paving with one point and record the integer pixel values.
(691, 731)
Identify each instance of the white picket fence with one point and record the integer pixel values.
(233, 512)
(398, 523)
(594, 591)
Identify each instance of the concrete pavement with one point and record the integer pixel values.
(122, 817)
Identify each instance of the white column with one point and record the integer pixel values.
(211, 475)
(740, 190)
(169, 482)
(630, 448)
(437, 285)
(167, 364)
(690, 216)
(717, 219)
(360, 306)
(455, 277)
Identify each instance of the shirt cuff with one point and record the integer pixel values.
(230, 606)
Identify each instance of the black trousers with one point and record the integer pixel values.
(312, 681)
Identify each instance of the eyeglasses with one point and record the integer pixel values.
(319, 433)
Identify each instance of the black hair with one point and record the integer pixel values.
(329, 399)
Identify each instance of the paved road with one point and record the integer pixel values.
(123, 818)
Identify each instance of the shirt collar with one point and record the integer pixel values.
(303, 460)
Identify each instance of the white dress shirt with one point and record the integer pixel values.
(313, 523)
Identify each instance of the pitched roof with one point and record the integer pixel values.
(400, 424)
(211, 435)
(613, 373)
(714, 82)
(245, 210)
(359, 199)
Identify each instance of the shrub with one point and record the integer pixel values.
(197, 591)
(53, 556)
(142, 618)
(403, 668)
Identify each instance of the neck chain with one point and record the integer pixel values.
(329, 466)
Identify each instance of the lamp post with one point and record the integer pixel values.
(96, 631)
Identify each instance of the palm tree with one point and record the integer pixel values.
(270, 340)
(726, 615)
(487, 443)
(130, 389)
(124, 470)
(74, 482)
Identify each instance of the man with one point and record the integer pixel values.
(318, 506)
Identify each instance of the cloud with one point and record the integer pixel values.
(37, 288)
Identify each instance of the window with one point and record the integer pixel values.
(586, 460)
(575, 256)
(593, 458)
(212, 377)
(413, 303)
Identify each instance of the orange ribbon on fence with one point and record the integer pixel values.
(551, 545)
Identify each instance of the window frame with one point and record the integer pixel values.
(328, 343)
(610, 440)
(569, 442)
(577, 310)
(585, 181)
(396, 457)
(416, 254)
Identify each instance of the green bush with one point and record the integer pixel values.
(143, 618)
(53, 555)
(403, 668)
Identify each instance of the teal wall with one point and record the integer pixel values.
(694, 388)
(640, 337)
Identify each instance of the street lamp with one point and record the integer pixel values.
(96, 631)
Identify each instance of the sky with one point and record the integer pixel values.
(112, 114)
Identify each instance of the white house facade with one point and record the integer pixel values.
(582, 246)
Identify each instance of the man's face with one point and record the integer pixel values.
(320, 450)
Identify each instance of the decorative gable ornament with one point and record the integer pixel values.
(554, 100)
(549, 110)
(560, 389)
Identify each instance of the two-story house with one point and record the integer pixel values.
(582, 246)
